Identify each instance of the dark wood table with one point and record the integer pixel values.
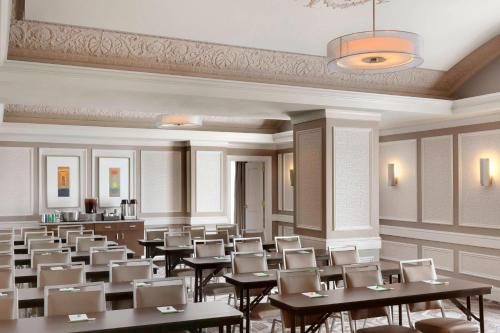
(216, 265)
(25, 259)
(349, 299)
(23, 249)
(194, 317)
(245, 282)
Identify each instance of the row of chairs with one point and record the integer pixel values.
(225, 232)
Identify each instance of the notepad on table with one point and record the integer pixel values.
(313, 294)
(69, 289)
(380, 288)
(183, 245)
(75, 318)
(436, 282)
(219, 258)
(261, 274)
(168, 309)
(56, 268)
(141, 284)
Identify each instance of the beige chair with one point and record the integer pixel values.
(84, 243)
(103, 255)
(152, 293)
(8, 304)
(6, 258)
(130, 270)
(299, 258)
(62, 230)
(177, 239)
(250, 244)
(423, 269)
(197, 232)
(37, 235)
(156, 234)
(6, 236)
(74, 299)
(346, 255)
(60, 274)
(287, 242)
(219, 234)
(232, 229)
(248, 233)
(24, 230)
(7, 246)
(7, 277)
(364, 275)
(50, 256)
(44, 244)
(71, 236)
(295, 282)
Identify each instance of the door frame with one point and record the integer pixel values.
(268, 187)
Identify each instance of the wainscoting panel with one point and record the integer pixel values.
(480, 265)
(398, 251)
(443, 258)
(399, 202)
(437, 179)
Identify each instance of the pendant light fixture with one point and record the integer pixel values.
(376, 51)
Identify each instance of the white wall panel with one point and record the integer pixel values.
(399, 202)
(16, 181)
(161, 181)
(479, 206)
(398, 251)
(437, 179)
(352, 177)
(443, 258)
(481, 265)
(209, 181)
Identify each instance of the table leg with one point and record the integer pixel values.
(481, 314)
(400, 306)
(392, 307)
(228, 328)
(196, 285)
(241, 308)
(302, 324)
(200, 286)
(292, 320)
(221, 329)
(167, 265)
(469, 318)
(247, 310)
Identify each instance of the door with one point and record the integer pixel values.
(254, 195)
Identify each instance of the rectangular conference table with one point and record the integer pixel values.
(245, 282)
(338, 300)
(195, 316)
(23, 249)
(25, 259)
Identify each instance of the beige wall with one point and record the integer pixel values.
(439, 209)
(486, 81)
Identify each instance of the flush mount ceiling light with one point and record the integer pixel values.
(178, 121)
(376, 51)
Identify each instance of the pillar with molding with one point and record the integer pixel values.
(336, 179)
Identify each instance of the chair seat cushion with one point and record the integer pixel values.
(264, 311)
(388, 329)
(446, 325)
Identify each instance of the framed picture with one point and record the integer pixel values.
(63, 181)
(113, 182)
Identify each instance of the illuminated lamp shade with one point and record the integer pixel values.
(378, 51)
(176, 121)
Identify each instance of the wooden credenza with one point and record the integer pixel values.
(124, 232)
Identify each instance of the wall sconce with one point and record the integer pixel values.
(292, 177)
(486, 178)
(391, 175)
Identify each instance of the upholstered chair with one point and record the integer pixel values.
(346, 255)
(8, 304)
(156, 234)
(24, 230)
(74, 299)
(6, 236)
(62, 230)
(71, 236)
(249, 233)
(232, 229)
(219, 234)
(60, 274)
(7, 277)
(44, 244)
(50, 256)
(299, 258)
(250, 244)
(197, 232)
(6, 258)
(177, 239)
(130, 270)
(103, 255)
(151, 293)
(84, 243)
(287, 242)
(7, 246)
(37, 235)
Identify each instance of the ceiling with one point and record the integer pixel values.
(451, 29)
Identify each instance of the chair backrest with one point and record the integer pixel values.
(209, 248)
(6, 236)
(420, 270)
(37, 235)
(104, 255)
(219, 234)
(248, 233)
(24, 230)
(71, 236)
(299, 258)
(62, 230)
(287, 242)
(197, 232)
(74, 299)
(232, 229)
(130, 270)
(7, 276)
(250, 244)
(178, 239)
(7, 246)
(8, 304)
(156, 234)
(347, 255)
(84, 243)
(249, 262)
(364, 275)
(60, 274)
(50, 256)
(6, 258)
(44, 244)
(294, 282)
(159, 292)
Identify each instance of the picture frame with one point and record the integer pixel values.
(63, 181)
(113, 181)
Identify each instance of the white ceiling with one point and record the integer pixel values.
(451, 29)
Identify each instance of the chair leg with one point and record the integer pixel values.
(332, 325)
(273, 325)
(342, 322)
